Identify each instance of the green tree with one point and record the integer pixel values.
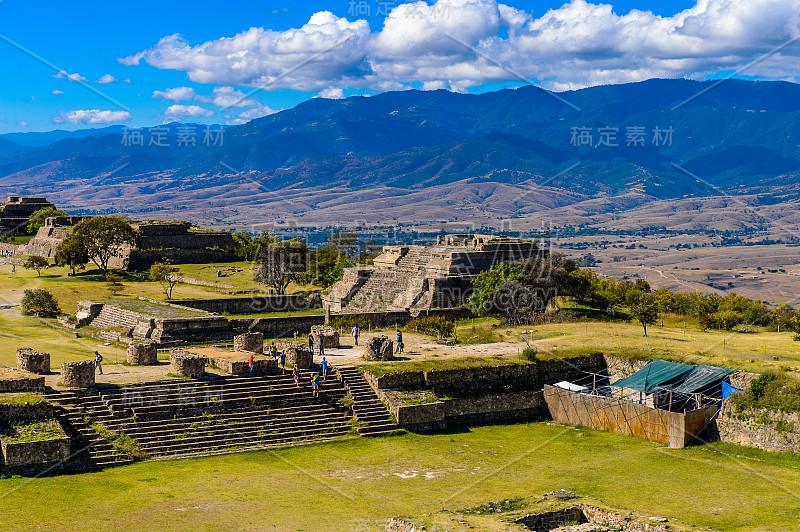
(251, 246)
(104, 237)
(165, 274)
(40, 302)
(71, 252)
(645, 311)
(280, 263)
(38, 218)
(35, 262)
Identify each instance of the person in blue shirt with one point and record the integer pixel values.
(399, 342)
(324, 368)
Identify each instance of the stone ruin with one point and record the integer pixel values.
(142, 353)
(33, 361)
(330, 334)
(78, 374)
(296, 353)
(15, 213)
(186, 364)
(252, 342)
(379, 348)
(425, 277)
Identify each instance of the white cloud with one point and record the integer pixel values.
(576, 45)
(227, 97)
(332, 93)
(91, 116)
(23, 123)
(177, 94)
(182, 111)
(56, 91)
(108, 78)
(62, 74)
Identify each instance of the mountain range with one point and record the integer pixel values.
(436, 155)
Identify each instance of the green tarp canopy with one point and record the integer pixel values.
(656, 373)
(703, 378)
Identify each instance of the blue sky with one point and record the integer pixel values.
(89, 38)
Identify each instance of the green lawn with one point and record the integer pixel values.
(360, 482)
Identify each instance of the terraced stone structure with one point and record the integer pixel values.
(186, 364)
(33, 361)
(78, 374)
(252, 342)
(142, 353)
(328, 333)
(425, 277)
(296, 353)
(15, 212)
(379, 348)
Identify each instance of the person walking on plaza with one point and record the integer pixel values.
(98, 362)
(296, 375)
(251, 363)
(321, 339)
(400, 345)
(311, 342)
(283, 363)
(273, 350)
(356, 332)
(324, 368)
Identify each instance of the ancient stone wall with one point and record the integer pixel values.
(13, 380)
(296, 353)
(764, 429)
(252, 305)
(176, 331)
(329, 335)
(464, 410)
(252, 342)
(186, 364)
(29, 458)
(33, 361)
(379, 348)
(29, 411)
(142, 353)
(78, 374)
(141, 260)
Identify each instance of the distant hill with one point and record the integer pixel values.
(736, 137)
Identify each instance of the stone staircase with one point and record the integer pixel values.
(379, 292)
(415, 261)
(188, 418)
(373, 417)
(88, 450)
(112, 316)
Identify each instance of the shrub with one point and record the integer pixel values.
(529, 354)
(433, 326)
(346, 323)
(40, 302)
(771, 391)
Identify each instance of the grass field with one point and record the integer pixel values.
(748, 351)
(357, 483)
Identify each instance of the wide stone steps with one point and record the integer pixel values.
(182, 418)
(88, 450)
(371, 414)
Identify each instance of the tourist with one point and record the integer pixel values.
(321, 338)
(356, 332)
(273, 350)
(324, 368)
(311, 342)
(283, 363)
(315, 385)
(251, 363)
(400, 345)
(98, 362)
(296, 375)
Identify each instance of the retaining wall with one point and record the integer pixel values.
(253, 305)
(29, 458)
(20, 381)
(764, 429)
(27, 411)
